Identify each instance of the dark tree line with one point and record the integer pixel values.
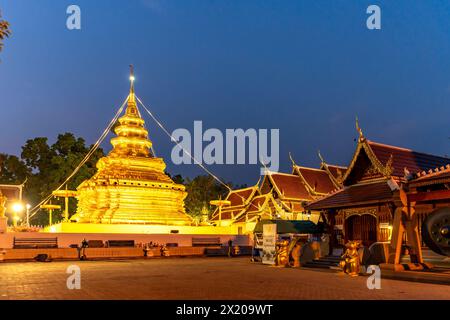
(5, 30)
(44, 167)
(201, 190)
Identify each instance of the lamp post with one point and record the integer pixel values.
(220, 203)
(308, 214)
(28, 206)
(17, 208)
(50, 207)
(66, 194)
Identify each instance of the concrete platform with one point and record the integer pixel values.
(67, 239)
(11, 255)
(435, 276)
(67, 227)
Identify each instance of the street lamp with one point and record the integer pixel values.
(308, 214)
(28, 206)
(17, 208)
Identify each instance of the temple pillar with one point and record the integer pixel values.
(404, 222)
(398, 230)
(331, 214)
(412, 235)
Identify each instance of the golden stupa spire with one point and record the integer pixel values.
(132, 83)
(132, 137)
(132, 106)
(130, 185)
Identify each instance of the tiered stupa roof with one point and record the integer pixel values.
(130, 185)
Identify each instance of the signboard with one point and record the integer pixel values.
(11, 192)
(269, 243)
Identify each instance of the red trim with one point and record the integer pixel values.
(427, 196)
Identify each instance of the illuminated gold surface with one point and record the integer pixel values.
(50, 208)
(282, 254)
(2, 205)
(85, 228)
(130, 185)
(350, 259)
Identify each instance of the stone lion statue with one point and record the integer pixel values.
(350, 259)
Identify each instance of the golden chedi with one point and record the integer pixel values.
(130, 185)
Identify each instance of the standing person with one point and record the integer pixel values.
(230, 248)
(82, 250)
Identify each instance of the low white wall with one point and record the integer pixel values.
(66, 239)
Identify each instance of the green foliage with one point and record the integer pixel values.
(201, 190)
(13, 170)
(5, 31)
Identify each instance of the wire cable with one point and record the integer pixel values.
(36, 208)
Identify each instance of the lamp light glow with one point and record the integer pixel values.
(18, 207)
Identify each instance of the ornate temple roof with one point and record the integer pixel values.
(405, 158)
(375, 172)
(377, 160)
(431, 177)
(316, 181)
(355, 195)
(278, 192)
(335, 170)
(287, 186)
(239, 198)
(259, 205)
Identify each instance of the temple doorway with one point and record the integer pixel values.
(361, 227)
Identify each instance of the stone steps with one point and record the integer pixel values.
(324, 262)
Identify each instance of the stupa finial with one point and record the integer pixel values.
(132, 98)
(358, 128)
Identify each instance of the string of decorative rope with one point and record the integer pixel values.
(178, 144)
(187, 152)
(36, 208)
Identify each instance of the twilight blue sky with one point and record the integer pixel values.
(307, 67)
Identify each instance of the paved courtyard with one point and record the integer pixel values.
(196, 278)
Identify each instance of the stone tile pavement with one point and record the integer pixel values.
(196, 278)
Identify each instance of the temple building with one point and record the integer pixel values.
(429, 196)
(12, 192)
(279, 196)
(130, 186)
(372, 202)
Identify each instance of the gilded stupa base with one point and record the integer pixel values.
(125, 202)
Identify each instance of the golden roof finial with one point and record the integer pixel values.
(320, 157)
(259, 180)
(358, 128)
(292, 160)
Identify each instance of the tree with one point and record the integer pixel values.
(201, 190)
(49, 166)
(45, 167)
(5, 31)
(12, 169)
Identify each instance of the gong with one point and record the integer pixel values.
(436, 231)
